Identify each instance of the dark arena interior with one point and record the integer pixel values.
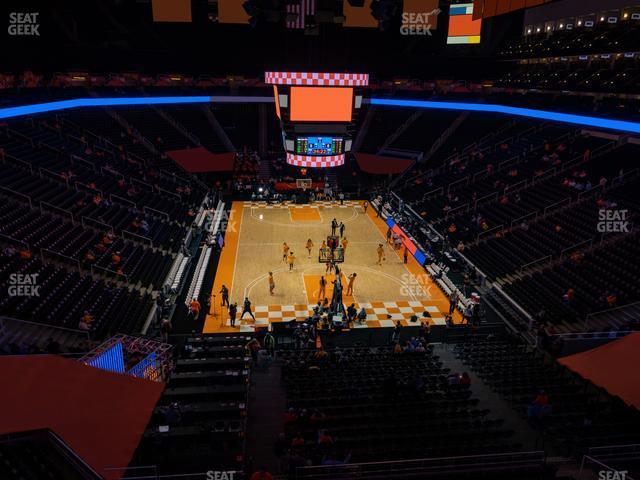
(319, 239)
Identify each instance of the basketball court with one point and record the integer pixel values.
(254, 246)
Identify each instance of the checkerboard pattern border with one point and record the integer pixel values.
(324, 161)
(379, 314)
(317, 79)
(318, 204)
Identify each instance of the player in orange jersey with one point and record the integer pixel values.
(381, 256)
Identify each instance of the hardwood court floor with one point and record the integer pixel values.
(253, 247)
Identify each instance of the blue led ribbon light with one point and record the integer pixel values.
(97, 102)
(584, 120)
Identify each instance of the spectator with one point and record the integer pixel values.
(261, 474)
(194, 308)
(253, 346)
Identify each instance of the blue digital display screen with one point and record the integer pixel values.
(319, 146)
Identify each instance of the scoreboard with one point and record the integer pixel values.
(317, 113)
(319, 146)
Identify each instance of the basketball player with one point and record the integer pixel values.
(329, 268)
(352, 279)
(246, 308)
(225, 295)
(309, 246)
(233, 311)
(381, 256)
(345, 242)
(285, 251)
(291, 259)
(334, 226)
(321, 292)
(272, 284)
(324, 245)
(365, 206)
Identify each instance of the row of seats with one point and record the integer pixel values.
(41, 230)
(612, 271)
(602, 37)
(376, 405)
(42, 148)
(532, 240)
(200, 420)
(62, 298)
(579, 75)
(579, 416)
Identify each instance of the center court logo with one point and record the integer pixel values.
(23, 285)
(24, 24)
(417, 23)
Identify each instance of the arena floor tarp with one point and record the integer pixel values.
(381, 165)
(201, 160)
(100, 415)
(612, 367)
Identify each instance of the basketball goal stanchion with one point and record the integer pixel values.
(305, 185)
(333, 254)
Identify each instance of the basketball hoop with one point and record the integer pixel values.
(303, 183)
(333, 256)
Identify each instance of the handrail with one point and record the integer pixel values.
(515, 186)
(484, 197)
(422, 467)
(461, 180)
(575, 246)
(564, 200)
(23, 163)
(121, 200)
(17, 194)
(59, 256)
(608, 310)
(87, 188)
(515, 304)
(607, 467)
(137, 237)
(56, 209)
(491, 230)
(146, 209)
(56, 327)
(522, 217)
(10, 239)
(540, 260)
(431, 192)
(455, 210)
(107, 270)
(100, 224)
